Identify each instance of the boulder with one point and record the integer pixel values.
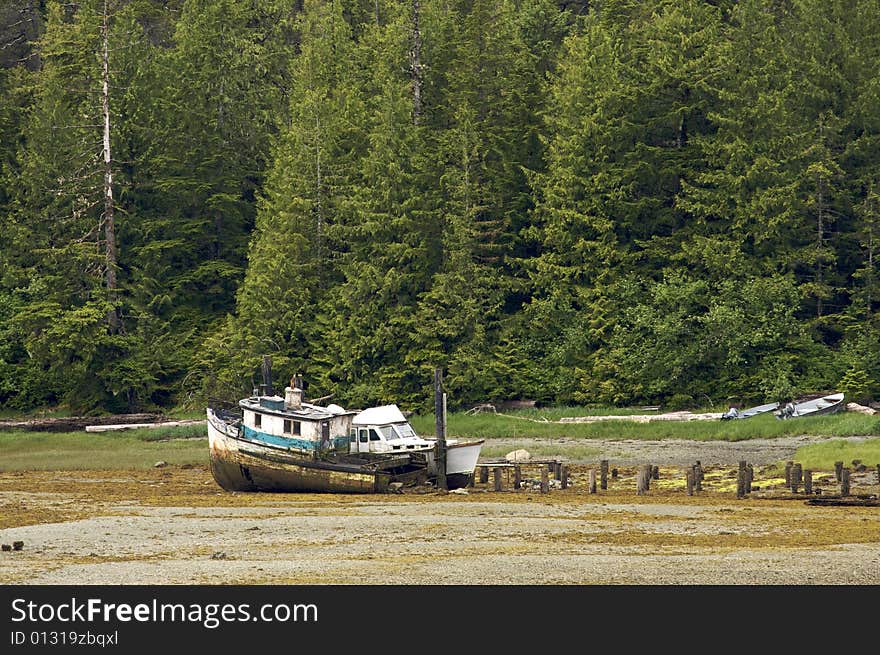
(520, 455)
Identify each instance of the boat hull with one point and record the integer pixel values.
(461, 460)
(817, 407)
(242, 465)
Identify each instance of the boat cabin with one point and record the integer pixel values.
(384, 430)
(293, 425)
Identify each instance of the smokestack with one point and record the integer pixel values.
(293, 394)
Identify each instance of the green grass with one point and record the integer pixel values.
(491, 426)
(821, 456)
(134, 449)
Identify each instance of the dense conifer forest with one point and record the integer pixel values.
(604, 201)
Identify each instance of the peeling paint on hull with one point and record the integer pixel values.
(239, 465)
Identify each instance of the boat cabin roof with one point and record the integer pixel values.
(382, 415)
(308, 412)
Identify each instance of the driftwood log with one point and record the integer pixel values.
(75, 423)
(849, 501)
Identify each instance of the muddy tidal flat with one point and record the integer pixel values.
(174, 525)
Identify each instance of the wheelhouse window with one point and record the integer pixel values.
(353, 435)
(374, 436)
(292, 427)
(258, 420)
(405, 430)
(287, 426)
(297, 427)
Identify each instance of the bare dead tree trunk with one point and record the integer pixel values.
(319, 218)
(871, 203)
(113, 318)
(415, 63)
(820, 238)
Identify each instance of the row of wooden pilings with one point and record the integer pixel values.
(558, 470)
(795, 477)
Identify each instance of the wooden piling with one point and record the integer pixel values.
(564, 476)
(557, 471)
(698, 476)
(844, 482)
(641, 481)
(838, 469)
(796, 476)
(592, 481)
(788, 466)
(603, 474)
(614, 474)
(750, 476)
(689, 480)
(497, 473)
(741, 479)
(484, 474)
(440, 428)
(517, 477)
(545, 481)
(808, 482)
(655, 473)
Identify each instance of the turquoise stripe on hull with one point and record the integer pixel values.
(275, 440)
(305, 445)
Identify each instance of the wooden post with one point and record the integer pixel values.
(603, 474)
(484, 474)
(655, 473)
(440, 427)
(564, 476)
(788, 466)
(517, 477)
(642, 478)
(808, 482)
(750, 476)
(698, 476)
(796, 475)
(545, 482)
(741, 479)
(267, 375)
(614, 474)
(844, 482)
(838, 468)
(592, 481)
(689, 476)
(497, 473)
(557, 470)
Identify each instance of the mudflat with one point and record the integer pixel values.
(174, 525)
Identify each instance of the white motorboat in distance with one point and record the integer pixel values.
(816, 407)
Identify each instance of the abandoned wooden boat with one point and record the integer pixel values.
(271, 443)
(734, 413)
(385, 430)
(816, 407)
